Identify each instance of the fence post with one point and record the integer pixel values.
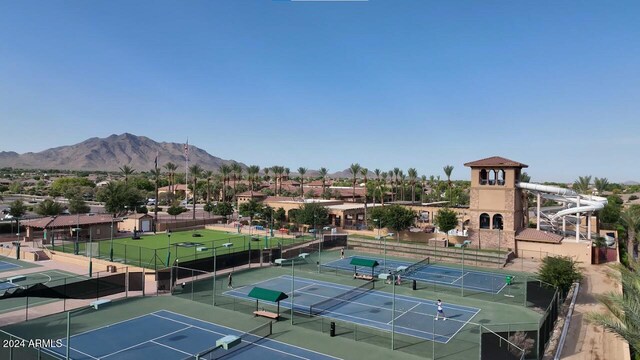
(480, 342)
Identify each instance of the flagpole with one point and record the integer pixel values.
(155, 203)
(186, 171)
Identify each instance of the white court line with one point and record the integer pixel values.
(459, 278)
(170, 347)
(215, 332)
(339, 314)
(382, 294)
(236, 330)
(146, 341)
(83, 353)
(462, 327)
(399, 316)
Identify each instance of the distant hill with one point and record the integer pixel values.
(109, 154)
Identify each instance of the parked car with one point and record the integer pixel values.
(151, 201)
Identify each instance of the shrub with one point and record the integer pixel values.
(561, 272)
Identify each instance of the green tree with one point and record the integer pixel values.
(49, 208)
(354, 169)
(280, 215)
(447, 171)
(398, 218)
(310, 211)
(77, 205)
(16, 187)
(581, 185)
(118, 197)
(323, 172)
(630, 219)
(560, 271)
(446, 220)
(126, 171)
(17, 209)
(413, 176)
(175, 210)
(195, 171)
(302, 171)
(223, 208)
(62, 186)
(601, 185)
(250, 208)
(623, 315)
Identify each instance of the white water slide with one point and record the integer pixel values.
(575, 204)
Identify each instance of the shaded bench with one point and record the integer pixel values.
(267, 314)
(362, 276)
(97, 303)
(464, 244)
(16, 278)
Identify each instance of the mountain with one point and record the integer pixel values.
(111, 153)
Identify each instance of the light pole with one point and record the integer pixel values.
(76, 247)
(378, 222)
(393, 311)
(111, 247)
(90, 253)
(168, 247)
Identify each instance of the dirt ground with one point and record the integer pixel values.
(584, 340)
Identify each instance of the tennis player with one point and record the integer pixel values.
(440, 311)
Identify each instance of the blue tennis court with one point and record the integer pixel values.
(412, 316)
(488, 282)
(4, 266)
(165, 335)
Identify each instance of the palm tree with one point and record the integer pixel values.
(364, 171)
(195, 171)
(252, 173)
(413, 176)
(323, 175)
(287, 172)
(447, 171)
(355, 170)
(601, 185)
(423, 178)
(126, 170)
(302, 171)
(208, 175)
(278, 170)
(377, 172)
(237, 176)
(395, 173)
(630, 218)
(225, 171)
(383, 186)
(403, 180)
(266, 174)
(622, 317)
(581, 186)
(171, 169)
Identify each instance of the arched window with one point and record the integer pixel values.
(497, 221)
(483, 177)
(492, 177)
(501, 177)
(484, 221)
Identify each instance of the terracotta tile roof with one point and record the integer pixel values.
(62, 221)
(538, 236)
(495, 161)
(251, 194)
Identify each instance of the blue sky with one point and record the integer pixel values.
(403, 83)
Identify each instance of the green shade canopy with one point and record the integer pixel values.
(267, 295)
(364, 262)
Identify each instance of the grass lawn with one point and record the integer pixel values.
(150, 251)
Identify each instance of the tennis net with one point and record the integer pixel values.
(324, 305)
(248, 338)
(417, 266)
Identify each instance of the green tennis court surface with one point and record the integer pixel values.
(48, 277)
